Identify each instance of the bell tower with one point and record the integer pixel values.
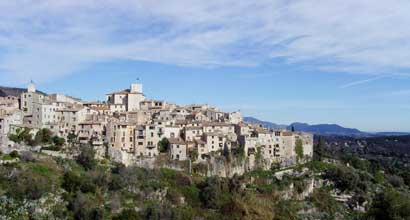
(136, 87)
(31, 87)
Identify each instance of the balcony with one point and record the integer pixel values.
(151, 146)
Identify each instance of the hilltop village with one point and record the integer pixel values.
(130, 157)
(129, 128)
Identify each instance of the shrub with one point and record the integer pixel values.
(127, 214)
(163, 145)
(390, 204)
(14, 154)
(27, 156)
(87, 157)
(71, 182)
(396, 181)
(299, 149)
(84, 207)
(43, 136)
(58, 141)
(31, 185)
(324, 202)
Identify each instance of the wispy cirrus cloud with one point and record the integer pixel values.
(43, 39)
(360, 82)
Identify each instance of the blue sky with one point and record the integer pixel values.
(344, 62)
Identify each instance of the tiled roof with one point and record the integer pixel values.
(176, 141)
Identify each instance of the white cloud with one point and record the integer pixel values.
(46, 38)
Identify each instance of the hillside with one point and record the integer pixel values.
(11, 91)
(326, 129)
(318, 129)
(265, 124)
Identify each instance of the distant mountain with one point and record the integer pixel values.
(10, 91)
(327, 129)
(391, 133)
(318, 129)
(265, 124)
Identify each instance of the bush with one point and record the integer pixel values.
(27, 156)
(214, 193)
(390, 204)
(299, 149)
(58, 141)
(71, 182)
(127, 214)
(43, 136)
(163, 145)
(84, 207)
(183, 213)
(87, 157)
(31, 185)
(324, 202)
(396, 181)
(52, 148)
(14, 154)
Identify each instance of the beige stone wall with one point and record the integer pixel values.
(178, 152)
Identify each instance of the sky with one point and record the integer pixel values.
(314, 61)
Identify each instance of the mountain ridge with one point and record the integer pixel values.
(13, 91)
(322, 129)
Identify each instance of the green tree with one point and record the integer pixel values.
(193, 154)
(87, 157)
(71, 138)
(390, 205)
(227, 153)
(324, 202)
(21, 135)
(58, 141)
(14, 154)
(318, 150)
(163, 145)
(44, 136)
(299, 149)
(286, 210)
(127, 214)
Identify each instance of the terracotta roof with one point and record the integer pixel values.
(123, 92)
(200, 142)
(263, 131)
(287, 133)
(69, 110)
(89, 123)
(176, 141)
(100, 108)
(193, 128)
(213, 134)
(217, 124)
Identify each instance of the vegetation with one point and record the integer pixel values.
(299, 149)
(163, 145)
(22, 135)
(347, 187)
(44, 136)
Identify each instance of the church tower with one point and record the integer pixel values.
(31, 87)
(136, 87)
